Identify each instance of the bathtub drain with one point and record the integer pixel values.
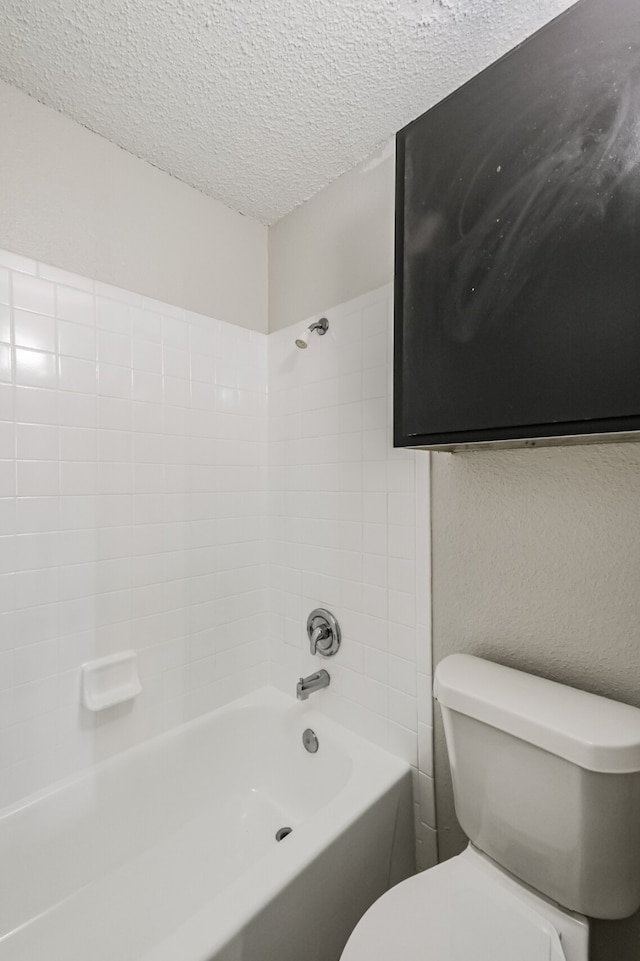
(282, 833)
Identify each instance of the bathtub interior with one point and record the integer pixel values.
(172, 824)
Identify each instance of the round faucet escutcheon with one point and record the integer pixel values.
(323, 632)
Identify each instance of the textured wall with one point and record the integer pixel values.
(70, 198)
(536, 557)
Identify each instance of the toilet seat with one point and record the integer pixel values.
(466, 909)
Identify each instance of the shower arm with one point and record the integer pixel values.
(321, 326)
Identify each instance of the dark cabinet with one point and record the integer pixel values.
(517, 291)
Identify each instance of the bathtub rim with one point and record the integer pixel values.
(267, 695)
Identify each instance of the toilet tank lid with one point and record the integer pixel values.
(591, 731)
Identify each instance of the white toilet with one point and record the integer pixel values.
(546, 784)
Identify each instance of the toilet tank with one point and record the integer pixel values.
(546, 782)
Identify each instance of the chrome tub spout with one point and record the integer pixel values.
(311, 684)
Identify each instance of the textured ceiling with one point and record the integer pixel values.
(258, 103)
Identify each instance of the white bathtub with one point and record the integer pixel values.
(168, 852)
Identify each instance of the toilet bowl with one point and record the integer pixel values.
(467, 909)
(546, 783)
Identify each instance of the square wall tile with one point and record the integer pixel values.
(35, 368)
(34, 330)
(32, 293)
(75, 305)
(76, 340)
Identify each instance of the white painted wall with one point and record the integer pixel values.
(72, 199)
(132, 475)
(336, 246)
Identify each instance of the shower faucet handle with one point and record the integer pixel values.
(318, 634)
(323, 631)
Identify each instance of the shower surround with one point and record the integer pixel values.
(153, 500)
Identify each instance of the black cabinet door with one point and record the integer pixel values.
(518, 242)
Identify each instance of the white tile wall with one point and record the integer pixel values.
(349, 530)
(147, 502)
(132, 514)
